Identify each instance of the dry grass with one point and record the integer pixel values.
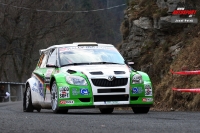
(163, 90)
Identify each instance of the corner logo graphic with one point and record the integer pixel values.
(184, 14)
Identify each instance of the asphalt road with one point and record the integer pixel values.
(14, 120)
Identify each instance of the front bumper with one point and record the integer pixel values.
(83, 97)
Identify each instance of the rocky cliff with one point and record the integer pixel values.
(156, 45)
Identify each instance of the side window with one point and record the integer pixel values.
(52, 58)
(44, 60)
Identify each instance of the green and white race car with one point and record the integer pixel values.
(86, 75)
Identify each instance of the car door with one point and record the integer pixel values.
(38, 74)
(43, 71)
(50, 68)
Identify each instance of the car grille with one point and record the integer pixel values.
(106, 83)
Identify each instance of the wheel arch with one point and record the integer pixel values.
(145, 76)
(33, 84)
(28, 84)
(59, 78)
(51, 82)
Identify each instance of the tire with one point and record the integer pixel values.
(54, 100)
(28, 107)
(54, 97)
(140, 110)
(106, 110)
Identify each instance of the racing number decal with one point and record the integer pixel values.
(64, 92)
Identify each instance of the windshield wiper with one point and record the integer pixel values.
(105, 63)
(75, 64)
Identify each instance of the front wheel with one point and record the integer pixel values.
(140, 110)
(54, 97)
(106, 110)
(54, 100)
(28, 107)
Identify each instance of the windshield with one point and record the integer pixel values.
(90, 55)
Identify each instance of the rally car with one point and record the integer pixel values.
(86, 75)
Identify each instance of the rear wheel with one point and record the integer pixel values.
(106, 110)
(28, 107)
(140, 110)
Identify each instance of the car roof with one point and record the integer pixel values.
(76, 44)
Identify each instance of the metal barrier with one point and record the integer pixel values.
(192, 90)
(15, 89)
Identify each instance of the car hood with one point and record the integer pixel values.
(101, 70)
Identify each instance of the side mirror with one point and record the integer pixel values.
(51, 65)
(130, 63)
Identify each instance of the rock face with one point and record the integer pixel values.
(156, 46)
(147, 31)
(143, 22)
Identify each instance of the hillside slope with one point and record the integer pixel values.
(156, 46)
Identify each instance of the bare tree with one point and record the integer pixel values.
(29, 25)
(24, 24)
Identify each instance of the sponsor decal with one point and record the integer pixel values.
(64, 92)
(75, 92)
(62, 102)
(111, 102)
(40, 86)
(148, 90)
(147, 99)
(137, 90)
(35, 84)
(84, 47)
(36, 88)
(84, 91)
(67, 102)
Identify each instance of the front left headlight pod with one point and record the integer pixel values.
(137, 79)
(76, 80)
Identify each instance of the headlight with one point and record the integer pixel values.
(137, 79)
(76, 80)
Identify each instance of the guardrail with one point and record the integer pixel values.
(15, 89)
(193, 90)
